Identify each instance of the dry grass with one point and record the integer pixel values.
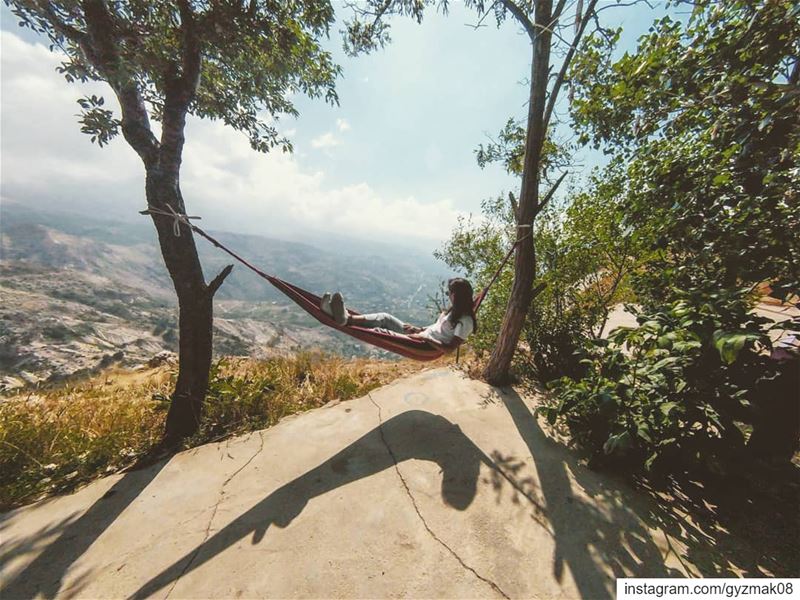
(57, 438)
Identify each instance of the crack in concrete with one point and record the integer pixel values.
(491, 583)
(214, 513)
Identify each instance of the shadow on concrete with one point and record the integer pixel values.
(742, 525)
(590, 537)
(43, 577)
(410, 435)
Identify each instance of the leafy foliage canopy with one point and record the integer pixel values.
(239, 62)
(707, 116)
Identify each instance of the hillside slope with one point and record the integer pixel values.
(79, 292)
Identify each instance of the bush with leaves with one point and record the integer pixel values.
(476, 248)
(586, 260)
(671, 389)
(706, 115)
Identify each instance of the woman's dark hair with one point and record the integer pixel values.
(462, 301)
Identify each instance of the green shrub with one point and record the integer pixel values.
(555, 338)
(671, 389)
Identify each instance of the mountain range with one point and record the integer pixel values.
(78, 292)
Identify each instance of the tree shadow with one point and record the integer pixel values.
(739, 525)
(413, 434)
(593, 537)
(44, 575)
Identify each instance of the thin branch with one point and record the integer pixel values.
(68, 31)
(603, 31)
(215, 283)
(514, 206)
(101, 50)
(381, 11)
(558, 10)
(550, 192)
(520, 16)
(623, 4)
(552, 30)
(483, 17)
(551, 102)
(578, 15)
(538, 290)
(529, 26)
(795, 75)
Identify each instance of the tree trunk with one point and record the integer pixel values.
(194, 305)
(497, 371)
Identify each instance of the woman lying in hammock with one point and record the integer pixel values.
(448, 332)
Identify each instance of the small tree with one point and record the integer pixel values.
(165, 60)
(585, 261)
(540, 19)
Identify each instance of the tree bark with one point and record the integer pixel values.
(100, 45)
(497, 371)
(195, 310)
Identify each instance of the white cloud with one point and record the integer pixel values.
(326, 140)
(342, 125)
(228, 182)
(44, 152)
(48, 161)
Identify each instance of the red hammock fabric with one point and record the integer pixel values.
(388, 340)
(382, 338)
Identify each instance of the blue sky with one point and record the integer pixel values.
(394, 161)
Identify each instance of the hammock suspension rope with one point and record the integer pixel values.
(388, 340)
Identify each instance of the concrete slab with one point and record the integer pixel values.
(433, 486)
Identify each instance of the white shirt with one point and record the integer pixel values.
(443, 331)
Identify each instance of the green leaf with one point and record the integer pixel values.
(642, 432)
(648, 464)
(729, 344)
(721, 179)
(620, 441)
(668, 407)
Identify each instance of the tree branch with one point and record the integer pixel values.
(550, 192)
(180, 90)
(191, 57)
(483, 17)
(551, 102)
(520, 16)
(632, 3)
(215, 283)
(101, 49)
(514, 206)
(558, 10)
(68, 31)
(795, 74)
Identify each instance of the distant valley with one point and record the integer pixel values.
(78, 293)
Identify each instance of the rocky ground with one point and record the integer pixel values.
(55, 327)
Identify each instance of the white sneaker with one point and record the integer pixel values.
(325, 304)
(339, 309)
